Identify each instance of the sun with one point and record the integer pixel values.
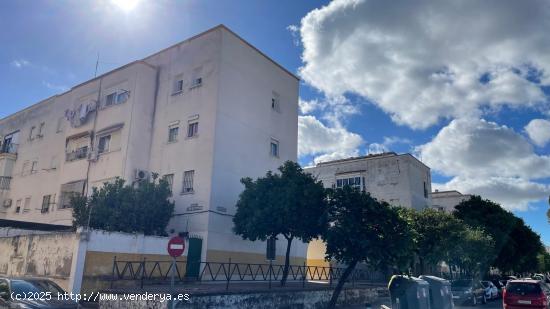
(125, 5)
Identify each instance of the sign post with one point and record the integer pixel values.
(176, 247)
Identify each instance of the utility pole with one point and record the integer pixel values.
(96, 65)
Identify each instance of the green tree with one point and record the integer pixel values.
(516, 245)
(363, 230)
(291, 203)
(473, 252)
(435, 235)
(143, 208)
(543, 264)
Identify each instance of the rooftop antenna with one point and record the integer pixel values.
(96, 65)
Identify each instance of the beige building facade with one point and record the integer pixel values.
(203, 113)
(447, 200)
(399, 179)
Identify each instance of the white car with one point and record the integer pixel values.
(491, 291)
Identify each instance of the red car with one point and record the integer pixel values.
(526, 294)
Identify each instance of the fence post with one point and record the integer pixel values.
(270, 268)
(142, 272)
(113, 273)
(228, 276)
(330, 274)
(304, 276)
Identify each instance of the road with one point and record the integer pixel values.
(492, 304)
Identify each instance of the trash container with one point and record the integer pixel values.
(409, 293)
(440, 292)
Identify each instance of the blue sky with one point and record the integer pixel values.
(460, 92)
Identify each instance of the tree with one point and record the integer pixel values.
(474, 252)
(435, 235)
(363, 230)
(516, 245)
(143, 208)
(291, 204)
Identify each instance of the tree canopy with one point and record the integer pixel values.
(143, 208)
(364, 230)
(290, 203)
(516, 245)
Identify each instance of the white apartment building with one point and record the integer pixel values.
(447, 200)
(203, 113)
(399, 179)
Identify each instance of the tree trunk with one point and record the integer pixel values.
(340, 285)
(287, 260)
(421, 262)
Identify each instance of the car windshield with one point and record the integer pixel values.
(461, 283)
(34, 286)
(523, 288)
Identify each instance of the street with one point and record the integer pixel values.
(492, 304)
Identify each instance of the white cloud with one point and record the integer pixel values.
(310, 106)
(539, 131)
(324, 142)
(488, 159)
(55, 87)
(442, 59)
(19, 63)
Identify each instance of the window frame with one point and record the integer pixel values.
(173, 128)
(103, 137)
(188, 183)
(192, 129)
(46, 206)
(274, 145)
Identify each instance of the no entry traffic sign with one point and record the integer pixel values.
(176, 246)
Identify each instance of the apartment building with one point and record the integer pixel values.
(447, 200)
(399, 179)
(203, 114)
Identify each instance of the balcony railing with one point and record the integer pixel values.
(5, 183)
(9, 148)
(78, 154)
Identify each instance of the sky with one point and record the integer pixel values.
(462, 85)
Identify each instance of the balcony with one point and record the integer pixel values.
(78, 154)
(5, 183)
(9, 148)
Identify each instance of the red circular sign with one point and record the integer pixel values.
(176, 246)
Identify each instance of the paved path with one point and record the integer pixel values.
(495, 304)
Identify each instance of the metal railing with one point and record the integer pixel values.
(5, 182)
(9, 148)
(159, 272)
(80, 153)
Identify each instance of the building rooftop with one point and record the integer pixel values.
(143, 61)
(368, 157)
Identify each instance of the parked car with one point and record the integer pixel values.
(525, 294)
(491, 291)
(468, 291)
(30, 293)
(500, 286)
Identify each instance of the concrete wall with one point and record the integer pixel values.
(47, 255)
(308, 299)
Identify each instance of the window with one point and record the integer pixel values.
(46, 200)
(354, 182)
(18, 206)
(103, 144)
(34, 167)
(27, 206)
(77, 148)
(170, 180)
(188, 182)
(117, 97)
(196, 82)
(31, 133)
(41, 130)
(69, 190)
(274, 148)
(193, 129)
(173, 132)
(178, 84)
(275, 102)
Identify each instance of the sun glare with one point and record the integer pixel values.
(126, 5)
